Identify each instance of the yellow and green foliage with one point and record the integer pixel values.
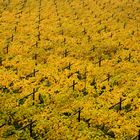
(69, 69)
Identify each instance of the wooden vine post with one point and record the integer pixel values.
(35, 58)
(25, 97)
(93, 48)
(129, 57)
(119, 103)
(85, 77)
(99, 62)
(0, 61)
(34, 91)
(30, 127)
(64, 41)
(66, 52)
(12, 38)
(7, 48)
(34, 73)
(68, 67)
(40, 99)
(108, 78)
(73, 85)
(79, 113)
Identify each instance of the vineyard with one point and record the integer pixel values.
(69, 70)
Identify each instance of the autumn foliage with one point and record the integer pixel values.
(70, 69)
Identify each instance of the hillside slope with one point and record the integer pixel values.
(69, 70)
